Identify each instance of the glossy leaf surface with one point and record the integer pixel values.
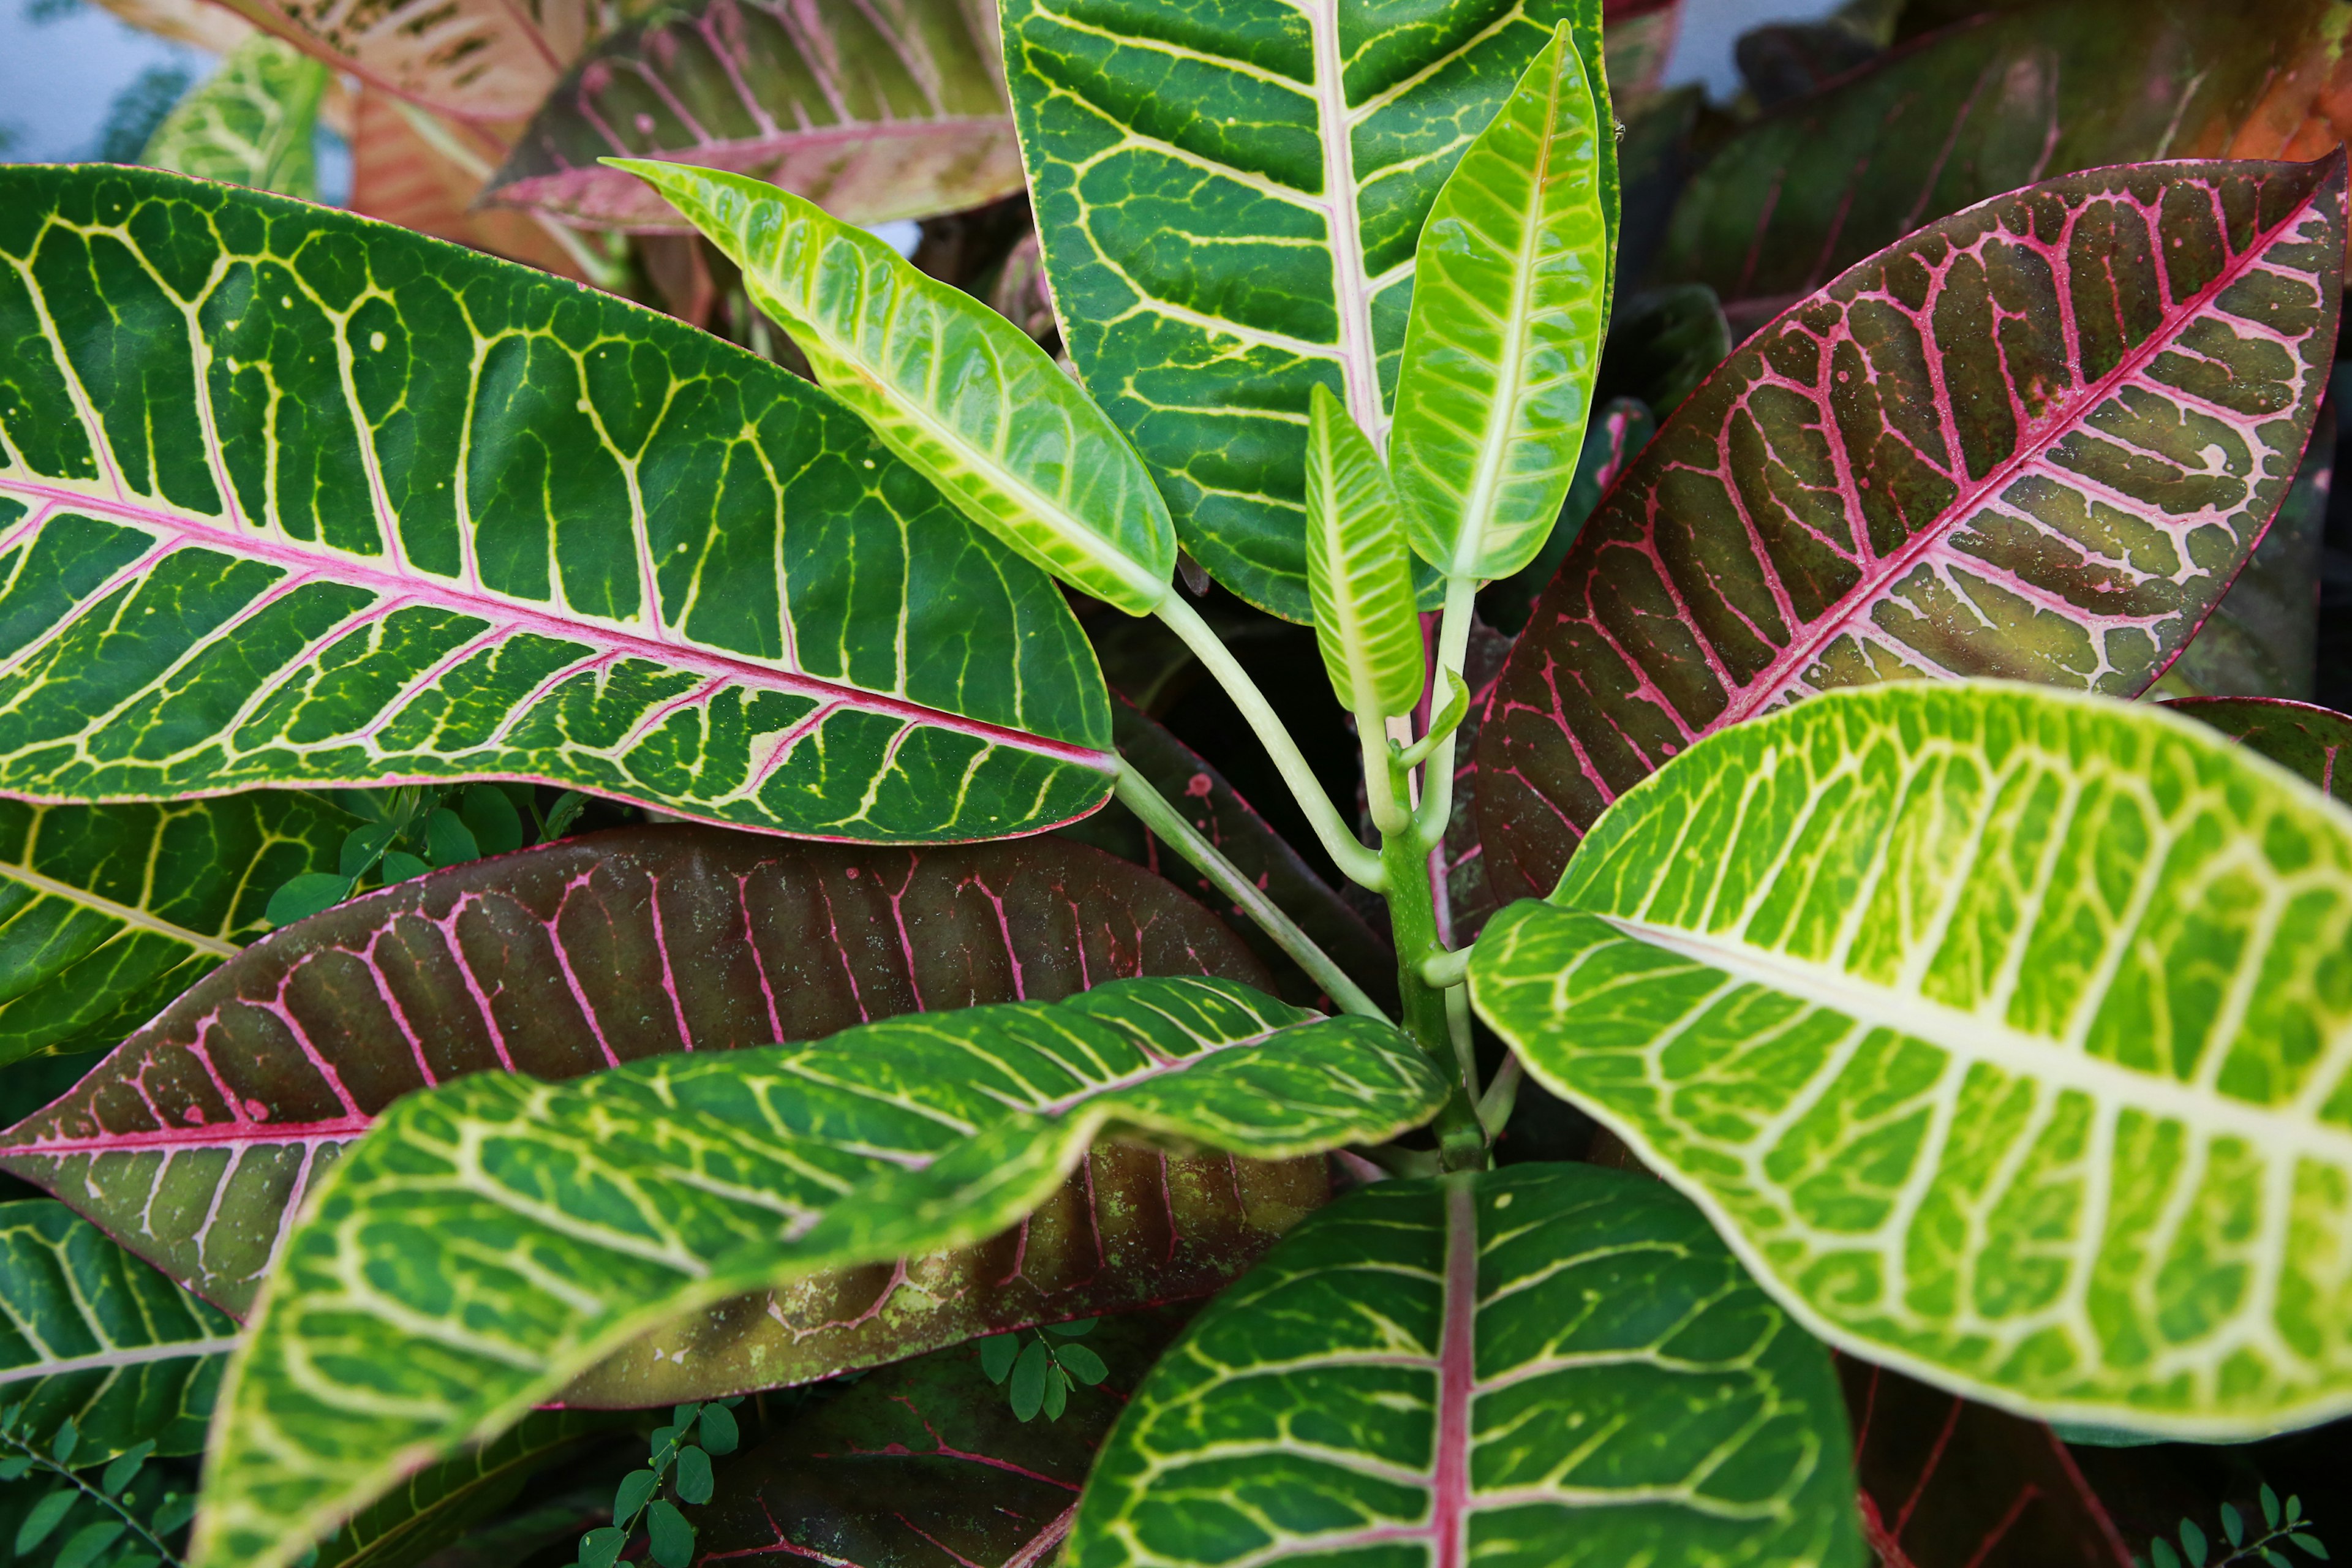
(1987, 107)
(2035, 440)
(1510, 299)
(686, 1180)
(1359, 569)
(1949, 1483)
(2316, 742)
(1229, 216)
(873, 115)
(1553, 1365)
(2006, 1032)
(1208, 800)
(924, 1462)
(108, 912)
(439, 1505)
(965, 396)
(1621, 428)
(249, 123)
(475, 59)
(195, 1139)
(448, 518)
(95, 1336)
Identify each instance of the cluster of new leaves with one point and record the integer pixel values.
(409, 831)
(2282, 1526)
(122, 1516)
(678, 1458)
(1043, 1370)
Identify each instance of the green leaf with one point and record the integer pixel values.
(109, 911)
(492, 819)
(600, 1548)
(195, 1138)
(126, 1466)
(90, 1336)
(2233, 1525)
(1358, 570)
(2062, 506)
(1611, 441)
(1484, 1365)
(1229, 214)
(2192, 1542)
(250, 122)
(451, 518)
(1030, 1375)
(311, 893)
(82, 1547)
(967, 398)
(670, 1537)
(400, 866)
(997, 1354)
(448, 840)
(562, 815)
(926, 1462)
(2052, 89)
(363, 849)
(635, 1489)
(2005, 1032)
(719, 1434)
(2310, 1543)
(1078, 1328)
(44, 1518)
(691, 1179)
(693, 1480)
(2269, 1506)
(1057, 1393)
(1081, 1363)
(873, 115)
(1511, 297)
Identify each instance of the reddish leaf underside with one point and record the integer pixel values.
(192, 1141)
(2037, 440)
(1947, 1483)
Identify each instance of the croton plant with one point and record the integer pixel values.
(619, 869)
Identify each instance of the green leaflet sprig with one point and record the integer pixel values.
(412, 830)
(2280, 1523)
(1045, 1369)
(109, 1528)
(678, 1458)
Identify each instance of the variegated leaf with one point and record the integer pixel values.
(2034, 441)
(474, 59)
(493, 1238)
(872, 114)
(1229, 213)
(422, 174)
(290, 498)
(90, 1334)
(1547, 1364)
(964, 395)
(196, 1140)
(250, 122)
(108, 912)
(2005, 1032)
(1358, 570)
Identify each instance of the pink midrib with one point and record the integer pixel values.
(1457, 1372)
(426, 590)
(206, 1135)
(1806, 646)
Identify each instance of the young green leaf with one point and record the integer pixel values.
(492, 819)
(251, 122)
(692, 1178)
(97, 1341)
(719, 1434)
(692, 1480)
(1510, 297)
(1484, 1367)
(2005, 1031)
(1081, 1363)
(196, 1138)
(545, 535)
(1359, 569)
(1229, 214)
(1030, 1375)
(667, 1535)
(44, 1518)
(964, 395)
(82, 1547)
(997, 1354)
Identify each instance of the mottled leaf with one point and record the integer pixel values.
(873, 114)
(1620, 429)
(2035, 440)
(195, 1140)
(108, 912)
(442, 1504)
(1228, 211)
(2316, 742)
(2263, 638)
(966, 397)
(475, 59)
(924, 1463)
(2006, 1032)
(91, 1335)
(1949, 1483)
(201, 24)
(1510, 301)
(1547, 1364)
(428, 182)
(596, 1211)
(1207, 799)
(1358, 570)
(250, 122)
(2052, 88)
(425, 515)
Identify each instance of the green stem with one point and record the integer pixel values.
(1437, 777)
(1136, 795)
(1359, 864)
(1412, 916)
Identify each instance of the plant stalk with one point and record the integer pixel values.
(1436, 808)
(1413, 918)
(1135, 792)
(1359, 864)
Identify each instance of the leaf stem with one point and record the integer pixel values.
(1495, 1105)
(1136, 795)
(1359, 864)
(1436, 808)
(1413, 918)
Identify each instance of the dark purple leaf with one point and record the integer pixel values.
(2316, 742)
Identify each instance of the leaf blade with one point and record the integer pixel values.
(2072, 1041)
(1358, 572)
(249, 122)
(1490, 412)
